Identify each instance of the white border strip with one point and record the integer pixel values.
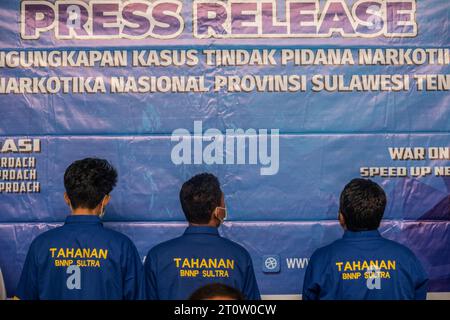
(430, 296)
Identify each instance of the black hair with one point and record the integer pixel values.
(362, 204)
(88, 181)
(199, 196)
(212, 290)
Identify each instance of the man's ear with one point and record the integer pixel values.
(342, 221)
(106, 200)
(67, 200)
(219, 214)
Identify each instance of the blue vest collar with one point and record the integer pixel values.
(86, 219)
(201, 230)
(361, 234)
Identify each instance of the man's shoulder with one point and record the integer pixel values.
(327, 250)
(166, 246)
(117, 236)
(46, 236)
(398, 248)
(342, 246)
(181, 242)
(236, 247)
(60, 232)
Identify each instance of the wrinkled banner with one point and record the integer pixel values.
(291, 78)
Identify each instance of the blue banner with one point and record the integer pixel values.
(285, 101)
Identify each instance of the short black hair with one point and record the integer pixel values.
(199, 196)
(362, 204)
(212, 290)
(88, 181)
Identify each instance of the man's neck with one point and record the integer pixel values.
(84, 212)
(210, 224)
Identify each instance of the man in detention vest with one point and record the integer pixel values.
(178, 267)
(363, 265)
(82, 259)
